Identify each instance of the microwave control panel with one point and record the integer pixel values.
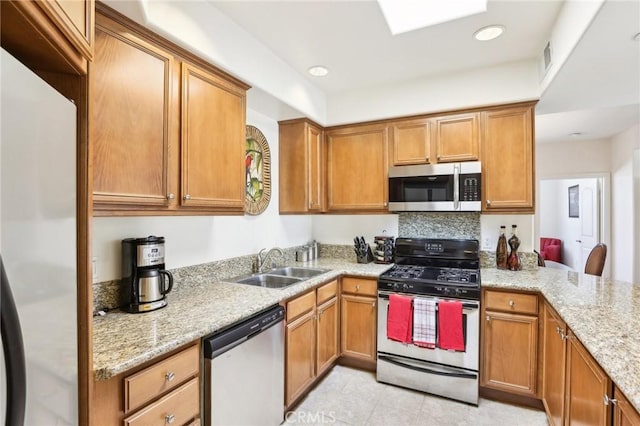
(470, 187)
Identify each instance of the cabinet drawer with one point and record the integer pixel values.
(178, 407)
(360, 286)
(301, 305)
(153, 381)
(326, 292)
(511, 302)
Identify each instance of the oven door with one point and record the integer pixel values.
(467, 359)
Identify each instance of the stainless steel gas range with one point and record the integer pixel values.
(435, 273)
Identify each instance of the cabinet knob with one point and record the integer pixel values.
(578, 241)
(357, 287)
(488, 202)
(169, 418)
(373, 304)
(187, 197)
(512, 303)
(386, 204)
(170, 376)
(608, 400)
(488, 318)
(558, 329)
(171, 196)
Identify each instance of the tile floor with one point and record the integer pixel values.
(348, 396)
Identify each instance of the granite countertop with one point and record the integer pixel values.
(604, 314)
(195, 309)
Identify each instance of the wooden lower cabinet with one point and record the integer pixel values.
(510, 342)
(358, 319)
(327, 346)
(553, 365)
(623, 413)
(311, 345)
(164, 391)
(586, 387)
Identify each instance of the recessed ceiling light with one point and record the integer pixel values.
(318, 71)
(489, 33)
(405, 16)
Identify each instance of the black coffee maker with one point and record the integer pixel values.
(145, 282)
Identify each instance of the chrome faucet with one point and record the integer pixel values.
(263, 258)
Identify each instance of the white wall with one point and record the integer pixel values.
(624, 216)
(191, 240)
(506, 83)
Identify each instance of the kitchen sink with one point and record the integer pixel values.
(269, 281)
(280, 277)
(297, 272)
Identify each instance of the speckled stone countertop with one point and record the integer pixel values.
(604, 314)
(122, 341)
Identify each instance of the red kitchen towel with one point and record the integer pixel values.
(399, 318)
(450, 325)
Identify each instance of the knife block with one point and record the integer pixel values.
(366, 258)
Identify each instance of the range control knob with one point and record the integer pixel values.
(396, 286)
(405, 287)
(446, 290)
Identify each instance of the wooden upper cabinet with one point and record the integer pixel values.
(357, 168)
(507, 160)
(301, 167)
(213, 140)
(131, 81)
(75, 19)
(457, 137)
(167, 129)
(411, 142)
(49, 35)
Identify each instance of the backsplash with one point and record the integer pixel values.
(439, 225)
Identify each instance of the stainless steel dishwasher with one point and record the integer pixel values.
(244, 372)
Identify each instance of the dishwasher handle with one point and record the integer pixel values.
(220, 342)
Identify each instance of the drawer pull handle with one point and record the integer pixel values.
(488, 318)
(511, 303)
(608, 400)
(169, 418)
(357, 287)
(170, 376)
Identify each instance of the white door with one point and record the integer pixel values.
(589, 217)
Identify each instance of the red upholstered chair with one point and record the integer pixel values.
(551, 249)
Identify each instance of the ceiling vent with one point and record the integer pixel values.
(546, 57)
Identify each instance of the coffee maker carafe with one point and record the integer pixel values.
(145, 282)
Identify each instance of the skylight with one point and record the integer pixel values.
(407, 15)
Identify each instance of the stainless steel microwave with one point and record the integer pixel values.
(443, 187)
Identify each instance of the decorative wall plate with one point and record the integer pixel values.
(257, 172)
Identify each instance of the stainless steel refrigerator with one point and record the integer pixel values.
(38, 250)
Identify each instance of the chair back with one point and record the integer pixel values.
(595, 261)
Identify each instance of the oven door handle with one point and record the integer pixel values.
(427, 370)
(385, 296)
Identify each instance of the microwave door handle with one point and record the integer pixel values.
(456, 186)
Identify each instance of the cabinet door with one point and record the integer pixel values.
(457, 137)
(301, 354)
(314, 164)
(510, 352)
(411, 142)
(507, 160)
(301, 167)
(131, 81)
(357, 168)
(358, 329)
(213, 141)
(623, 412)
(586, 386)
(327, 347)
(553, 366)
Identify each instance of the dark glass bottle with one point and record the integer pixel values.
(514, 258)
(501, 250)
